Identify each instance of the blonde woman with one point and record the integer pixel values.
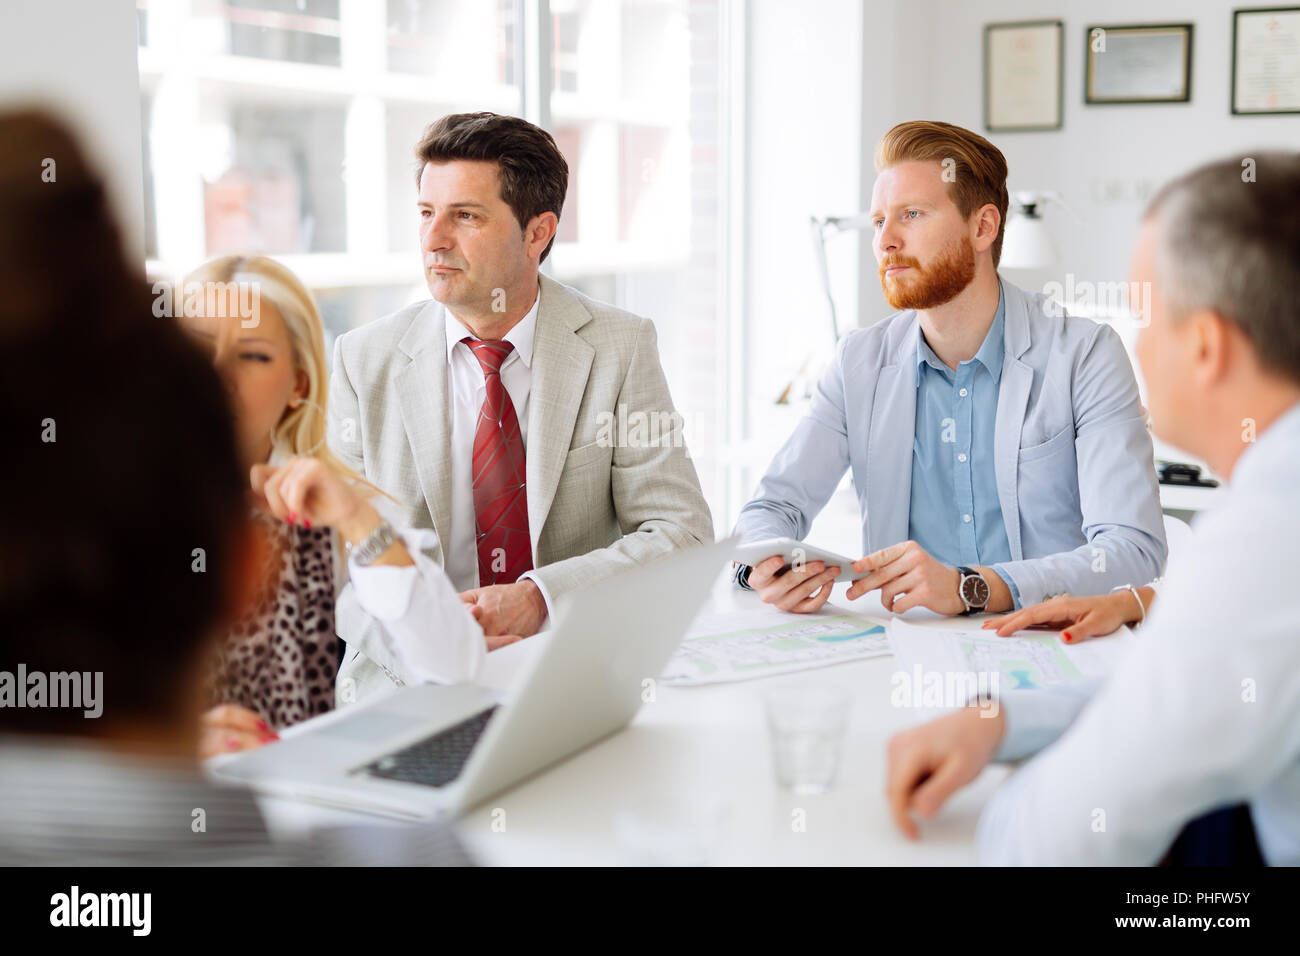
(321, 523)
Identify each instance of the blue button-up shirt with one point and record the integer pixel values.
(955, 514)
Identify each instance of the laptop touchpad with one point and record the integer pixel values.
(372, 727)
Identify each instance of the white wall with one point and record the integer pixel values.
(803, 158)
(802, 146)
(925, 60)
(1106, 160)
(898, 75)
(78, 58)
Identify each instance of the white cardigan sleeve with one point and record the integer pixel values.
(424, 624)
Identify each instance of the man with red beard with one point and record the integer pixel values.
(998, 447)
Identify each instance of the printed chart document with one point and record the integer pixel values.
(1020, 662)
(741, 645)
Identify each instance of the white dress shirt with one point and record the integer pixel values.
(468, 389)
(1200, 714)
(425, 624)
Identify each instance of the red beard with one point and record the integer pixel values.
(942, 281)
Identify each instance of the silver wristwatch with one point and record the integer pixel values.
(973, 590)
(375, 544)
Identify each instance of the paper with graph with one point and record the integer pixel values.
(1020, 662)
(736, 646)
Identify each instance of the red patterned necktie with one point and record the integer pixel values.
(500, 494)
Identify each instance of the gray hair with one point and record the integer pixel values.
(1230, 242)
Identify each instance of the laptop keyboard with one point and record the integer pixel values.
(436, 760)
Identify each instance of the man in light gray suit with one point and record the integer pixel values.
(998, 447)
(493, 413)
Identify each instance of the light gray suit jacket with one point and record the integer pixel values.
(1072, 456)
(597, 501)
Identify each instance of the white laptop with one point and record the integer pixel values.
(433, 750)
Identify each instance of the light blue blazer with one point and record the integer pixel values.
(1073, 458)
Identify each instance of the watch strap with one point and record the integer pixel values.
(375, 544)
(966, 572)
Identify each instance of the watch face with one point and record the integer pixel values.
(975, 590)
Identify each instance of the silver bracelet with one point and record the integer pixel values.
(1137, 597)
(375, 544)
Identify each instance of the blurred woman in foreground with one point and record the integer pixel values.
(127, 549)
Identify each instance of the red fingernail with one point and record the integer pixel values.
(1065, 636)
(262, 725)
(293, 517)
(306, 523)
(232, 743)
(269, 738)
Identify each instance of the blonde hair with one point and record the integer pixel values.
(979, 170)
(301, 430)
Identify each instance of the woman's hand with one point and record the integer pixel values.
(305, 491)
(228, 728)
(1076, 617)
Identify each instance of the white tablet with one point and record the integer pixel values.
(755, 552)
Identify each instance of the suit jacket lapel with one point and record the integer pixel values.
(889, 448)
(424, 397)
(1013, 398)
(561, 364)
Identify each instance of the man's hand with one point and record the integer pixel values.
(507, 610)
(929, 763)
(799, 589)
(908, 577)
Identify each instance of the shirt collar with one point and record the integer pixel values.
(990, 355)
(521, 336)
(1272, 452)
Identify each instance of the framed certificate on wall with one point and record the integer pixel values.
(1266, 61)
(1023, 75)
(1146, 63)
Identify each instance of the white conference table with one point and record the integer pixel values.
(693, 773)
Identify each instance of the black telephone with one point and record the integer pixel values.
(1181, 473)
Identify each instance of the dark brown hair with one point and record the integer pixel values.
(534, 175)
(120, 460)
(979, 170)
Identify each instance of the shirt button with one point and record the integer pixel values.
(962, 393)
(966, 518)
(961, 457)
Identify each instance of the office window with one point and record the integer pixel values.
(271, 178)
(636, 108)
(457, 41)
(288, 127)
(150, 213)
(297, 31)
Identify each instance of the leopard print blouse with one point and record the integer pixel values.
(280, 660)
